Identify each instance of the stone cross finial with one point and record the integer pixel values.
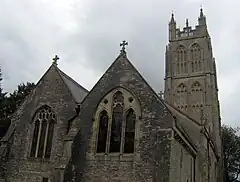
(161, 94)
(123, 44)
(55, 60)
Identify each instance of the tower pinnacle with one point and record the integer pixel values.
(201, 13)
(172, 18)
(187, 24)
(202, 18)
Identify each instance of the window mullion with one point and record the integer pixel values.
(38, 138)
(45, 140)
(123, 134)
(108, 134)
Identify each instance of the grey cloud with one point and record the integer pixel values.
(86, 35)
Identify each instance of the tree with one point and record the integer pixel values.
(16, 98)
(9, 104)
(231, 151)
(3, 111)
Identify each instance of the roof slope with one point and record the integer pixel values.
(123, 63)
(78, 92)
(189, 125)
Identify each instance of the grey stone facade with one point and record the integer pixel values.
(172, 142)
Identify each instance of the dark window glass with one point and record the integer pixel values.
(130, 131)
(102, 133)
(35, 138)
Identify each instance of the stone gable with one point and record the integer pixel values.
(84, 166)
(52, 91)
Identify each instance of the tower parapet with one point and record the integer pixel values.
(200, 30)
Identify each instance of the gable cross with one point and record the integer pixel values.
(161, 94)
(123, 44)
(55, 59)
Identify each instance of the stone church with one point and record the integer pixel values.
(121, 130)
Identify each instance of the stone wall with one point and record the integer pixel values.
(182, 164)
(50, 91)
(150, 161)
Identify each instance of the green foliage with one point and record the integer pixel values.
(16, 98)
(231, 150)
(9, 104)
(4, 121)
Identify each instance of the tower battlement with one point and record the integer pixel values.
(200, 30)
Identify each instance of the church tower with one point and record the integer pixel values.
(190, 74)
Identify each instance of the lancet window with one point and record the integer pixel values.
(43, 125)
(116, 120)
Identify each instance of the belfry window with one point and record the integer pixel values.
(196, 58)
(44, 120)
(117, 124)
(181, 60)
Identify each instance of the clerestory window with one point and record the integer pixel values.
(44, 121)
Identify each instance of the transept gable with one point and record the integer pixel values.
(77, 91)
(152, 115)
(122, 73)
(54, 86)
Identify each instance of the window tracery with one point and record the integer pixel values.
(196, 58)
(181, 60)
(117, 133)
(43, 133)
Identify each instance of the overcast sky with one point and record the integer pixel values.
(86, 35)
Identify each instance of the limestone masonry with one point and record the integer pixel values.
(121, 130)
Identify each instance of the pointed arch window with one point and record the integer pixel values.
(43, 133)
(196, 58)
(116, 134)
(181, 60)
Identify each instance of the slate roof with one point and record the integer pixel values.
(189, 125)
(78, 92)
